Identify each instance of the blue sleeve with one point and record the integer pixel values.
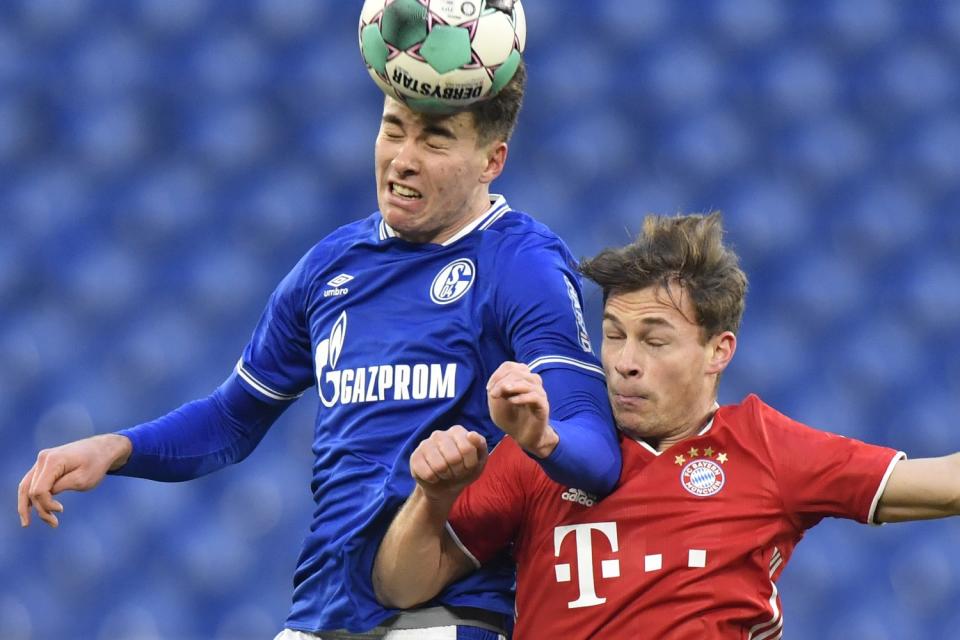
(277, 363)
(540, 305)
(201, 436)
(588, 454)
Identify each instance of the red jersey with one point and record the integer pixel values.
(691, 541)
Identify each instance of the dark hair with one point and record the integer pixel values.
(496, 117)
(685, 250)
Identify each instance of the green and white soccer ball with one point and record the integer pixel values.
(442, 55)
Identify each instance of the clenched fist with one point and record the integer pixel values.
(518, 405)
(448, 461)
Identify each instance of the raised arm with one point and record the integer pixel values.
(562, 418)
(418, 557)
(921, 489)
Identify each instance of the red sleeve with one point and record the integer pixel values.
(487, 515)
(821, 474)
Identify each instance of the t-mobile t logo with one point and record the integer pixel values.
(608, 568)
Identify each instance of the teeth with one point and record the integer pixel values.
(406, 192)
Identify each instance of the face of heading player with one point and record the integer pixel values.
(661, 375)
(433, 175)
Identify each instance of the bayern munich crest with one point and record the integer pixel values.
(702, 477)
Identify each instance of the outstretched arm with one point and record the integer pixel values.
(198, 438)
(418, 557)
(76, 466)
(921, 489)
(562, 418)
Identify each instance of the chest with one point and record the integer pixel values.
(397, 326)
(709, 510)
(397, 305)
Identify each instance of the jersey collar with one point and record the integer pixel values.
(706, 428)
(498, 207)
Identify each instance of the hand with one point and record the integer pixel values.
(446, 462)
(518, 404)
(76, 466)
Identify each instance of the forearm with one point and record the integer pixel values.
(417, 557)
(921, 489)
(199, 437)
(587, 453)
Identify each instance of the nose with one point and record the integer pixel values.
(626, 361)
(406, 162)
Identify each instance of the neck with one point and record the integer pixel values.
(690, 429)
(477, 208)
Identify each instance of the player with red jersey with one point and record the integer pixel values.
(690, 543)
(711, 500)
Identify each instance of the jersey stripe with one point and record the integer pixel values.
(883, 485)
(262, 388)
(539, 362)
(386, 231)
(498, 213)
(498, 206)
(456, 540)
(774, 627)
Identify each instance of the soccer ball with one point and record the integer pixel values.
(440, 56)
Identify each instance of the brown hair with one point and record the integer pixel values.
(496, 117)
(685, 250)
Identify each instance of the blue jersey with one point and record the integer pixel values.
(398, 340)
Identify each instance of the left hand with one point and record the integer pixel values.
(518, 405)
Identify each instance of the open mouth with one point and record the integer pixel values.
(404, 192)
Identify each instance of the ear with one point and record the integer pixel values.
(720, 350)
(496, 157)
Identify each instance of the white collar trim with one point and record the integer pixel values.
(702, 431)
(498, 207)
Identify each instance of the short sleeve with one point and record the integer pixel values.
(277, 364)
(539, 302)
(486, 517)
(821, 474)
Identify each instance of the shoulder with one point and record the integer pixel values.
(341, 240)
(755, 419)
(517, 240)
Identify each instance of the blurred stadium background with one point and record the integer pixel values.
(163, 163)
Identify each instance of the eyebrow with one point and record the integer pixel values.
(430, 129)
(652, 322)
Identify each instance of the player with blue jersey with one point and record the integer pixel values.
(398, 321)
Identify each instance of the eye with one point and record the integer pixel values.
(656, 343)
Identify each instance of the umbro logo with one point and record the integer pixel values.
(337, 289)
(579, 496)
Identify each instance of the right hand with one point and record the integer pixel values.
(76, 466)
(446, 462)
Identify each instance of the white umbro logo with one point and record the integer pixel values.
(343, 278)
(336, 289)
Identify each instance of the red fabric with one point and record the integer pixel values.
(741, 523)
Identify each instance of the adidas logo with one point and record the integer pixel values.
(579, 496)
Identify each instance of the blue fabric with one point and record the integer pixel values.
(398, 340)
(201, 436)
(580, 414)
(476, 633)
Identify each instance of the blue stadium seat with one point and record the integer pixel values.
(163, 163)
